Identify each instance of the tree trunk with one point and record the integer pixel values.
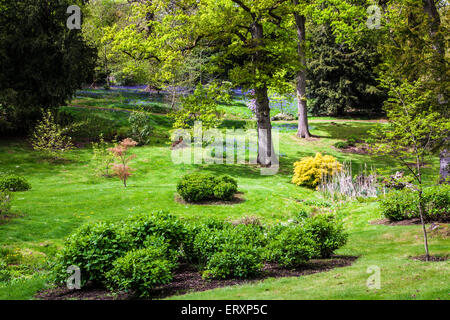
(265, 146)
(303, 128)
(444, 170)
(424, 228)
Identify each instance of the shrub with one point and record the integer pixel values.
(5, 202)
(399, 205)
(437, 202)
(141, 270)
(93, 248)
(120, 151)
(233, 261)
(209, 241)
(341, 145)
(224, 191)
(49, 138)
(141, 130)
(198, 187)
(327, 233)
(102, 157)
(290, 246)
(14, 183)
(141, 227)
(309, 171)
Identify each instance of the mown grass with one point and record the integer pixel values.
(68, 194)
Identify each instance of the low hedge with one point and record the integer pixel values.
(142, 251)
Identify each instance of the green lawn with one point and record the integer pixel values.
(67, 194)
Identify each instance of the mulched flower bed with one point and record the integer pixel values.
(188, 279)
(238, 198)
(407, 222)
(432, 258)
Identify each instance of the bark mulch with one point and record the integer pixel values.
(188, 279)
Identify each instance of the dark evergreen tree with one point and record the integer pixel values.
(42, 61)
(342, 80)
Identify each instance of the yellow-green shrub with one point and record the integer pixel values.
(309, 171)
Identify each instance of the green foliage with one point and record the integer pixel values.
(142, 227)
(198, 187)
(234, 261)
(309, 171)
(93, 248)
(342, 78)
(141, 130)
(13, 183)
(399, 205)
(141, 270)
(5, 202)
(102, 157)
(201, 106)
(327, 233)
(341, 145)
(49, 138)
(290, 246)
(43, 62)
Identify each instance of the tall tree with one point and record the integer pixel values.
(42, 61)
(342, 79)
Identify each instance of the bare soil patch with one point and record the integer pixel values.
(408, 222)
(188, 279)
(238, 198)
(361, 149)
(432, 258)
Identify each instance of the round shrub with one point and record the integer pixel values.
(290, 246)
(14, 183)
(198, 187)
(208, 241)
(309, 171)
(341, 145)
(93, 248)
(235, 261)
(160, 224)
(224, 191)
(399, 205)
(141, 270)
(437, 202)
(327, 233)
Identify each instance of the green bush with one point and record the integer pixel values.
(327, 233)
(235, 261)
(198, 187)
(437, 202)
(224, 191)
(290, 246)
(5, 202)
(208, 241)
(400, 205)
(160, 224)
(93, 248)
(141, 270)
(141, 131)
(13, 183)
(341, 145)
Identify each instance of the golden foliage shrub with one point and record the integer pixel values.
(308, 172)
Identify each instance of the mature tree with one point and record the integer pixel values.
(42, 61)
(413, 133)
(416, 34)
(342, 78)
